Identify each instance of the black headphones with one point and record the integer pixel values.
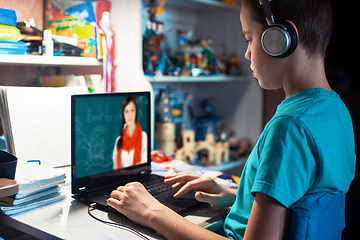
(278, 39)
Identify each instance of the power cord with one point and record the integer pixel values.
(122, 226)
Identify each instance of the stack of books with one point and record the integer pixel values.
(9, 33)
(8, 187)
(38, 186)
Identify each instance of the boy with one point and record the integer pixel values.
(308, 146)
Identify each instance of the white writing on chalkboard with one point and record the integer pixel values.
(102, 116)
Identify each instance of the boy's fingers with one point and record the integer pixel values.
(179, 184)
(120, 188)
(195, 185)
(180, 178)
(112, 202)
(177, 174)
(205, 197)
(116, 194)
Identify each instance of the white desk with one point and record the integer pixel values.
(69, 219)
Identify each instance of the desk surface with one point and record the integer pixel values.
(69, 219)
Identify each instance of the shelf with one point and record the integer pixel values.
(7, 59)
(201, 4)
(175, 79)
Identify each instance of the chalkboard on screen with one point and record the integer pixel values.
(96, 124)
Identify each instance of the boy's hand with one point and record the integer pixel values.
(207, 190)
(135, 202)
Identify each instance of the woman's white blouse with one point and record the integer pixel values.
(127, 157)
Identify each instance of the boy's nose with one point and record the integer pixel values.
(248, 54)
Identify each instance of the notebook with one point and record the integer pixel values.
(99, 165)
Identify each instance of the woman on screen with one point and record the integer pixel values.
(131, 146)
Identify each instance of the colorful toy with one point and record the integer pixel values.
(232, 65)
(216, 151)
(60, 22)
(154, 57)
(209, 61)
(159, 156)
(164, 125)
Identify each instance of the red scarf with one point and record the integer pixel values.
(130, 143)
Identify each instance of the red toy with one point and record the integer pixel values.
(159, 156)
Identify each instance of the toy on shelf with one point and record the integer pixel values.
(187, 152)
(164, 125)
(9, 33)
(77, 23)
(215, 152)
(155, 57)
(209, 63)
(221, 64)
(207, 152)
(198, 56)
(239, 148)
(187, 115)
(233, 2)
(159, 156)
(233, 66)
(163, 108)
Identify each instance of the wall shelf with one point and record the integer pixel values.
(237, 99)
(8, 59)
(201, 5)
(175, 79)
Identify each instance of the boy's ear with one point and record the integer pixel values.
(295, 28)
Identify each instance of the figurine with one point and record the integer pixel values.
(163, 108)
(152, 40)
(209, 60)
(233, 67)
(164, 125)
(221, 63)
(217, 151)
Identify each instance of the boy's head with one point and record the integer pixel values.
(313, 19)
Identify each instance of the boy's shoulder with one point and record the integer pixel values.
(310, 111)
(308, 103)
(306, 108)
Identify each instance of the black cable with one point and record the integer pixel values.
(122, 226)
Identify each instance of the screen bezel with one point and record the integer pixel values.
(112, 177)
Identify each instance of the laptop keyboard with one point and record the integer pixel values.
(102, 195)
(153, 184)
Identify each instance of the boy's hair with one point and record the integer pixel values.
(313, 19)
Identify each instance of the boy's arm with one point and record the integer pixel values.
(134, 201)
(173, 226)
(268, 220)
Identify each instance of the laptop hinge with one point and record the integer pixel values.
(144, 172)
(82, 189)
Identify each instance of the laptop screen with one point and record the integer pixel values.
(110, 137)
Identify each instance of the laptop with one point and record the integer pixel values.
(96, 121)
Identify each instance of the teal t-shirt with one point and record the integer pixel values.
(308, 146)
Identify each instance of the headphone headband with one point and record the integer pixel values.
(267, 11)
(278, 39)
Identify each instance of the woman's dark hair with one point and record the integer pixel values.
(313, 19)
(127, 100)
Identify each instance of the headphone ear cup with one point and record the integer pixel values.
(293, 38)
(279, 40)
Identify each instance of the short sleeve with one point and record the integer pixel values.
(287, 165)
